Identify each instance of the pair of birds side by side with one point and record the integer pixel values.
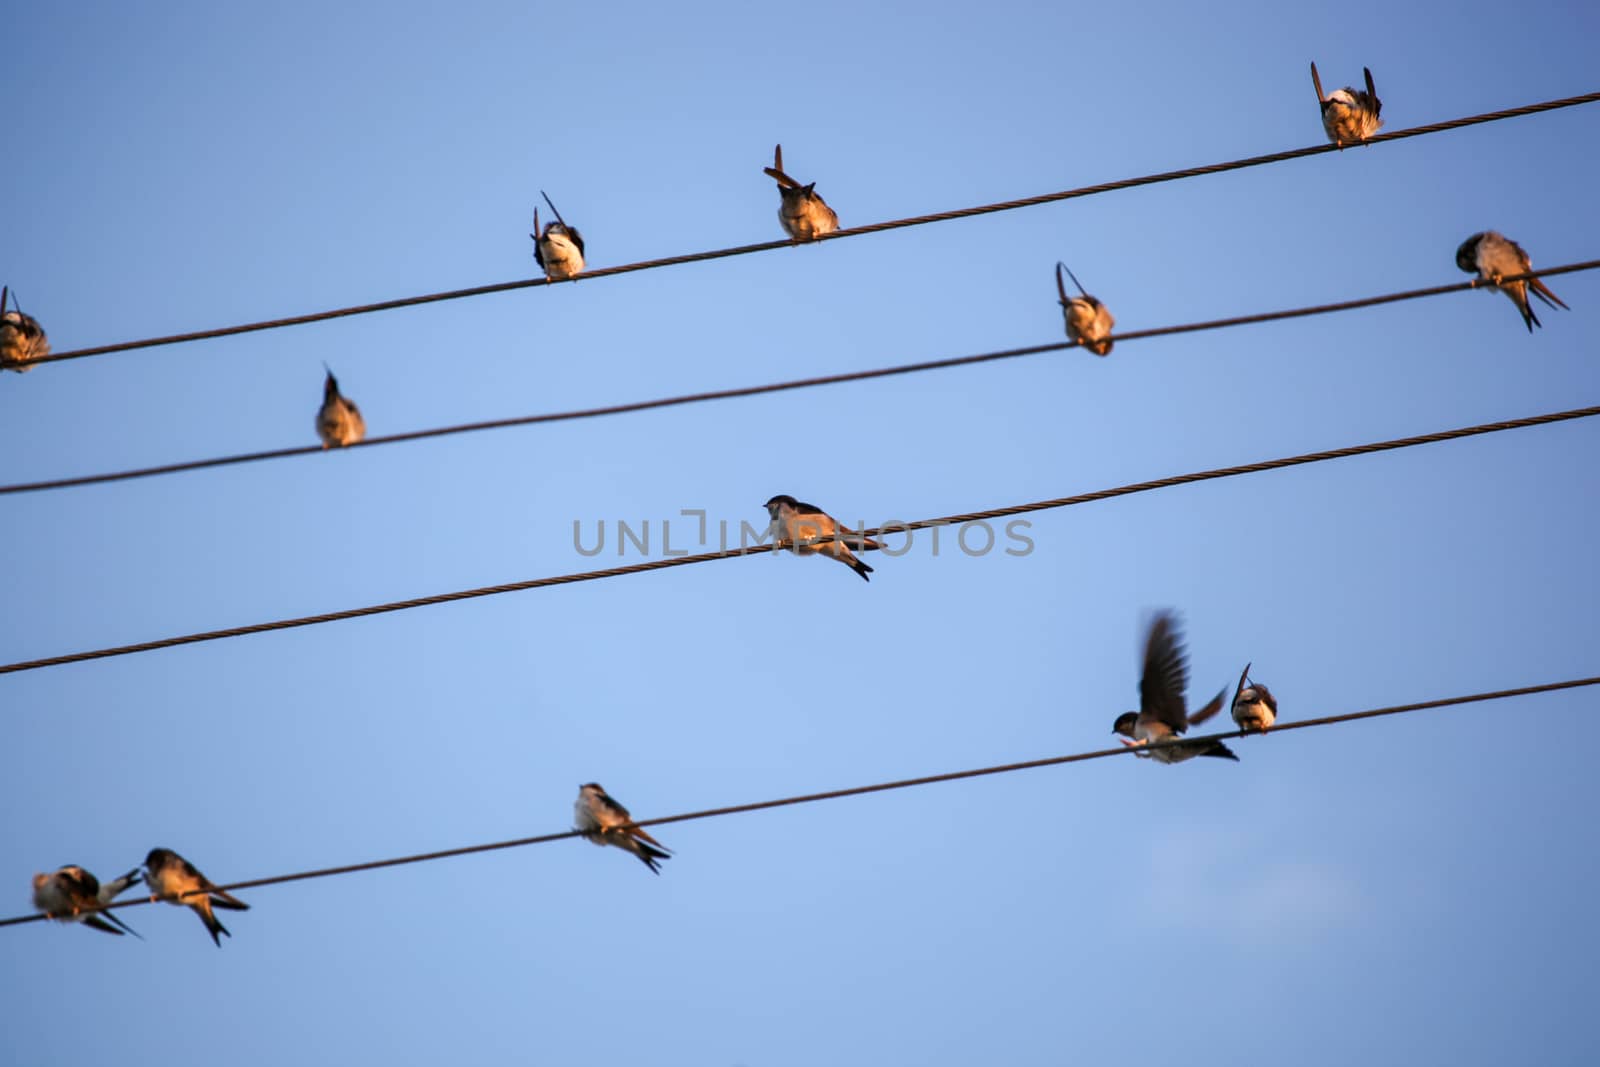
(1163, 714)
(72, 894)
(803, 214)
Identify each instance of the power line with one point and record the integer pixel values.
(862, 790)
(774, 387)
(854, 231)
(706, 557)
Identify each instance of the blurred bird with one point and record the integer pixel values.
(1349, 115)
(1162, 714)
(339, 421)
(1494, 256)
(73, 895)
(605, 822)
(1088, 321)
(22, 339)
(170, 876)
(559, 248)
(1254, 707)
(802, 524)
(805, 215)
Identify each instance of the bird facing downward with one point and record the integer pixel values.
(1349, 116)
(73, 895)
(22, 339)
(559, 248)
(170, 876)
(605, 822)
(804, 215)
(1254, 707)
(1088, 321)
(339, 421)
(803, 525)
(1493, 256)
(1163, 713)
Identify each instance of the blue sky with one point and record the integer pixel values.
(1408, 889)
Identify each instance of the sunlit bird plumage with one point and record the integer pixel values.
(558, 248)
(1255, 709)
(1089, 322)
(339, 421)
(170, 877)
(804, 526)
(605, 822)
(73, 895)
(22, 339)
(1493, 256)
(802, 212)
(1349, 115)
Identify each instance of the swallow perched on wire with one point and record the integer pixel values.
(1088, 321)
(1254, 707)
(559, 248)
(73, 895)
(1163, 714)
(803, 525)
(1493, 256)
(1349, 115)
(805, 216)
(605, 822)
(170, 876)
(22, 339)
(339, 421)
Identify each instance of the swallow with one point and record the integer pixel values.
(22, 339)
(73, 895)
(1349, 115)
(559, 248)
(1254, 707)
(174, 879)
(1088, 321)
(802, 525)
(605, 822)
(1493, 256)
(804, 215)
(1162, 714)
(339, 421)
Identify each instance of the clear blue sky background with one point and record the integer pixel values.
(1410, 890)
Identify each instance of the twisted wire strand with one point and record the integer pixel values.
(779, 387)
(860, 790)
(746, 550)
(853, 231)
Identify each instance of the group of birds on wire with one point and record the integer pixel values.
(1349, 116)
(71, 894)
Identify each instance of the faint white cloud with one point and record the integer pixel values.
(1243, 885)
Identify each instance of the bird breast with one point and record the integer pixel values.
(561, 257)
(1087, 322)
(804, 216)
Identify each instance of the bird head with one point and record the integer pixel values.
(777, 503)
